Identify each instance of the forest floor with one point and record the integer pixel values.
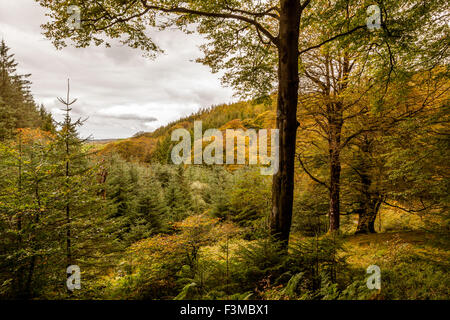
(363, 249)
(413, 256)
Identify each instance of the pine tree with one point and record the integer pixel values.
(150, 212)
(27, 187)
(17, 107)
(178, 196)
(78, 202)
(46, 123)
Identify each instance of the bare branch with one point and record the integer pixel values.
(332, 39)
(309, 174)
(406, 210)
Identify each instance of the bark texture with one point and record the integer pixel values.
(288, 82)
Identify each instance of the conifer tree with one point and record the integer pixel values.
(120, 198)
(78, 200)
(178, 196)
(27, 237)
(151, 210)
(17, 107)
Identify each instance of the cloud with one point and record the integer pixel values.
(119, 90)
(130, 116)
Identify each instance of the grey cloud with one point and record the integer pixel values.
(116, 81)
(130, 116)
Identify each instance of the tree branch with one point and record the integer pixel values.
(253, 22)
(406, 210)
(267, 12)
(331, 39)
(310, 175)
(304, 5)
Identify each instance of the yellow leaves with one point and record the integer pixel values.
(159, 248)
(157, 243)
(139, 148)
(30, 136)
(196, 221)
(182, 125)
(233, 124)
(222, 117)
(194, 231)
(225, 230)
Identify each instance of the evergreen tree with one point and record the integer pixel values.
(29, 245)
(77, 202)
(150, 212)
(46, 123)
(17, 107)
(178, 197)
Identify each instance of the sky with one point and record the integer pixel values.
(119, 91)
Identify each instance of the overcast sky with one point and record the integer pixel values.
(117, 88)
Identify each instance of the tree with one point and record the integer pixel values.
(248, 200)
(27, 220)
(370, 122)
(416, 144)
(338, 80)
(120, 197)
(369, 173)
(250, 39)
(69, 144)
(47, 123)
(77, 198)
(150, 211)
(17, 107)
(330, 74)
(162, 150)
(178, 196)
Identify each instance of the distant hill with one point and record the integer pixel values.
(155, 146)
(102, 141)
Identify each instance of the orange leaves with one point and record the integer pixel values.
(193, 232)
(139, 148)
(30, 136)
(157, 246)
(197, 221)
(233, 124)
(225, 230)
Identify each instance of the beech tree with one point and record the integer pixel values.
(258, 43)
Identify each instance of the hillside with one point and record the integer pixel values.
(155, 146)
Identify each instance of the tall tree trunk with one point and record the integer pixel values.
(67, 124)
(364, 212)
(29, 290)
(370, 200)
(288, 82)
(335, 124)
(21, 268)
(367, 216)
(334, 211)
(68, 221)
(335, 167)
(373, 216)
